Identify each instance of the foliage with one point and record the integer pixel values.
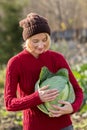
(80, 72)
(15, 117)
(79, 121)
(10, 32)
(2, 76)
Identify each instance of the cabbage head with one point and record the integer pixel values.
(58, 80)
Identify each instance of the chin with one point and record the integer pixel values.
(40, 52)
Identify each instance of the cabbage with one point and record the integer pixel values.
(58, 80)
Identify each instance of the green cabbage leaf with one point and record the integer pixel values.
(58, 80)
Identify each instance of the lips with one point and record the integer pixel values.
(40, 49)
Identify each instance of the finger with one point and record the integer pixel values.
(51, 95)
(53, 111)
(58, 107)
(63, 102)
(54, 115)
(57, 115)
(50, 114)
(44, 87)
(52, 91)
(50, 98)
(47, 94)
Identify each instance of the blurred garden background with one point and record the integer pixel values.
(68, 22)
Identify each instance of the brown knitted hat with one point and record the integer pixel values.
(34, 24)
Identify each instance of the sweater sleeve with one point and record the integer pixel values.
(77, 89)
(12, 102)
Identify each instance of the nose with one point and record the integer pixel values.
(41, 44)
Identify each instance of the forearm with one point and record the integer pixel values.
(78, 102)
(17, 104)
(77, 89)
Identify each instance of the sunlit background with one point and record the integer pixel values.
(68, 23)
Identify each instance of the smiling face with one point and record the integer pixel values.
(38, 44)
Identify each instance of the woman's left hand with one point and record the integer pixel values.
(59, 111)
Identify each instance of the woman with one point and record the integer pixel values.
(23, 71)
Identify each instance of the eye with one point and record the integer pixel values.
(45, 39)
(35, 40)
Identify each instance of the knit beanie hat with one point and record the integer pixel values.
(34, 24)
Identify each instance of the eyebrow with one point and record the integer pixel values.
(45, 37)
(37, 38)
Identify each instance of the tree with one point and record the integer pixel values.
(70, 12)
(10, 35)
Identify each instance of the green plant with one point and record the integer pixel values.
(58, 80)
(2, 76)
(80, 72)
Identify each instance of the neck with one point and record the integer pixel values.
(35, 55)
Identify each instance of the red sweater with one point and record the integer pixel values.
(22, 72)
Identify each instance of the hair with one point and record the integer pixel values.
(25, 45)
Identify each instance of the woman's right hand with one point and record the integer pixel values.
(47, 94)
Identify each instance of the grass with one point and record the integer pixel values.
(2, 76)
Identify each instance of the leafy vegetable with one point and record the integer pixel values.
(58, 80)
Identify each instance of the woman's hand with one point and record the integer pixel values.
(47, 94)
(59, 111)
